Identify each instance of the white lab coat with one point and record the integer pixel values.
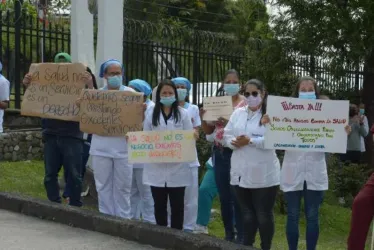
(366, 126)
(252, 166)
(169, 174)
(193, 112)
(300, 166)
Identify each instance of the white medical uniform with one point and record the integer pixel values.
(366, 126)
(4, 96)
(299, 167)
(167, 174)
(252, 166)
(142, 204)
(112, 172)
(192, 191)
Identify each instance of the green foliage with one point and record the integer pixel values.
(346, 180)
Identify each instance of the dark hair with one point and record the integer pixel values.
(221, 91)
(302, 79)
(261, 86)
(158, 105)
(93, 77)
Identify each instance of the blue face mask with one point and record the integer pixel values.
(231, 89)
(362, 111)
(168, 101)
(115, 81)
(308, 95)
(182, 93)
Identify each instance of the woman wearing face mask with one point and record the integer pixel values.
(230, 210)
(168, 180)
(112, 172)
(303, 175)
(183, 86)
(255, 170)
(142, 204)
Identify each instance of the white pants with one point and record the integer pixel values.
(141, 198)
(191, 197)
(113, 179)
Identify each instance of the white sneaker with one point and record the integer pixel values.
(341, 200)
(199, 229)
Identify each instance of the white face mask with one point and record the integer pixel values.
(254, 102)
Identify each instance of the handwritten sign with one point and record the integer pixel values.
(111, 113)
(307, 125)
(161, 146)
(53, 91)
(217, 107)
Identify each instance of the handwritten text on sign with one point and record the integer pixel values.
(111, 113)
(307, 125)
(217, 107)
(161, 146)
(53, 91)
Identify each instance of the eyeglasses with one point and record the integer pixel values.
(254, 94)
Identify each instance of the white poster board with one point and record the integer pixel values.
(307, 125)
(161, 146)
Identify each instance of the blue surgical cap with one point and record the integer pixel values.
(106, 64)
(182, 81)
(141, 86)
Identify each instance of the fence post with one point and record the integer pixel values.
(195, 70)
(17, 50)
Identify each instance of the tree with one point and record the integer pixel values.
(341, 31)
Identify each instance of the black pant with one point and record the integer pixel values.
(176, 197)
(351, 156)
(257, 206)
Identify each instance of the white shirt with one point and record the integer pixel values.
(110, 146)
(252, 166)
(150, 106)
(299, 166)
(4, 96)
(366, 126)
(193, 112)
(168, 174)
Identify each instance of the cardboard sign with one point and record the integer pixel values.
(307, 125)
(110, 112)
(217, 107)
(53, 91)
(162, 146)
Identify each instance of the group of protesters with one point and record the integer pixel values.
(244, 174)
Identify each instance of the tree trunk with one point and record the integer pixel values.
(368, 98)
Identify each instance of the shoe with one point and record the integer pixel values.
(199, 229)
(67, 200)
(341, 201)
(188, 230)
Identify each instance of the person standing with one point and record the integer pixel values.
(183, 86)
(230, 210)
(254, 170)
(112, 171)
(4, 96)
(168, 180)
(303, 175)
(142, 204)
(62, 147)
(366, 126)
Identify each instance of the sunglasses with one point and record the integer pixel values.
(254, 94)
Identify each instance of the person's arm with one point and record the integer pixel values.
(4, 95)
(229, 133)
(365, 124)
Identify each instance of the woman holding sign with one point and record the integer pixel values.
(168, 180)
(112, 172)
(183, 86)
(230, 210)
(303, 175)
(141, 196)
(254, 170)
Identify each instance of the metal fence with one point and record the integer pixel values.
(151, 52)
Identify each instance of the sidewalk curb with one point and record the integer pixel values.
(142, 233)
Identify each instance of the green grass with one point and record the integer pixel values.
(27, 178)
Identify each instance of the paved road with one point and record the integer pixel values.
(20, 232)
